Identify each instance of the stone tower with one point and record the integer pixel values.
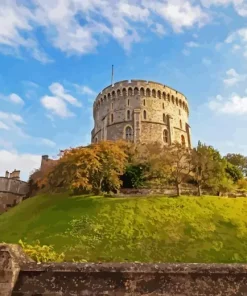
(141, 111)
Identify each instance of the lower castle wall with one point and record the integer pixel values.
(12, 192)
(19, 276)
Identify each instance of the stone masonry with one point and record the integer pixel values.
(19, 276)
(141, 111)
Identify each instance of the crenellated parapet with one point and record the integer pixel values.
(140, 110)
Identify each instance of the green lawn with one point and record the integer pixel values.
(147, 229)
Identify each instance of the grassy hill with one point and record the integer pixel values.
(186, 229)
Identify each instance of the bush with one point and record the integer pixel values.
(242, 184)
(41, 253)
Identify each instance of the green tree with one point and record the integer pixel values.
(177, 161)
(208, 166)
(233, 172)
(239, 160)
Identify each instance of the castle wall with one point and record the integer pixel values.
(12, 192)
(148, 108)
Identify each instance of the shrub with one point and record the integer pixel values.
(40, 253)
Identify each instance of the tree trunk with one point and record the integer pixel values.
(199, 190)
(178, 189)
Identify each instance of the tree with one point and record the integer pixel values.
(239, 160)
(233, 172)
(178, 163)
(91, 168)
(208, 166)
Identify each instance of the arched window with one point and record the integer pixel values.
(118, 92)
(124, 92)
(142, 92)
(128, 114)
(163, 105)
(173, 100)
(113, 94)
(180, 123)
(111, 118)
(128, 133)
(136, 91)
(164, 117)
(165, 136)
(177, 101)
(153, 93)
(159, 94)
(104, 98)
(144, 102)
(180, 103)
(164, 95)
(109, 96)
(128, 102)
(144, 114)
(168, 98)
(183, 140)
(130, 91)
(148, 94)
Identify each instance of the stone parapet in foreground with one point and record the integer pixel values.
(20, 276)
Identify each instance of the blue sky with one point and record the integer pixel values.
(55, 56)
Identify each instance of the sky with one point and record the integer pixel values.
(56, 56)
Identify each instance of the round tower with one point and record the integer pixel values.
(141, 111)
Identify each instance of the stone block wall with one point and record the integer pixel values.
(142, 111)
(19, 276)
(12, 192)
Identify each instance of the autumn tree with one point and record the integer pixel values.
(208, 166)
(92, 168)
(176, 159)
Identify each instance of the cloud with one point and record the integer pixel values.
(77, 27)
(233, 78)
(57, 103)
(238, 39)
(206, 61)
(14, 98)
(3, 126)
(186, 52)
(12, 122)
(11, 160)
(48, 142)
(239, 5)
(192, 44)
(84, 90)
(234, 105)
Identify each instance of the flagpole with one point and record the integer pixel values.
(112, 72)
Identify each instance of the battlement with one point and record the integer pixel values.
(141, 88)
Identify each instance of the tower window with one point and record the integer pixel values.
(183, 140)
(128, 114)
(163, 105)
(111, 118)
(128, 102)
(111, 105)
(180, 123)
(144, 102)
(165, 136)
(164, 118)
(128, 133)
(144, 114)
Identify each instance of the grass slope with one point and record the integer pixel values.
(157, 229)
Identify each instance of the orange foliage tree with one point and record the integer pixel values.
(94, 168)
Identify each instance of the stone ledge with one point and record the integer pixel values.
(20, 276)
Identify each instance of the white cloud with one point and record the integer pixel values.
(159, 29)
(3, 126)
(58, 90)
(57, 103)
(11, 160)
(77, 27)
(13, 123)
(192, 44)
(206, 61)
(16, 99)
(233, 78)
(84, 90)
(239, 5)
(48, 142)
(235, 105)
(186, 52)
